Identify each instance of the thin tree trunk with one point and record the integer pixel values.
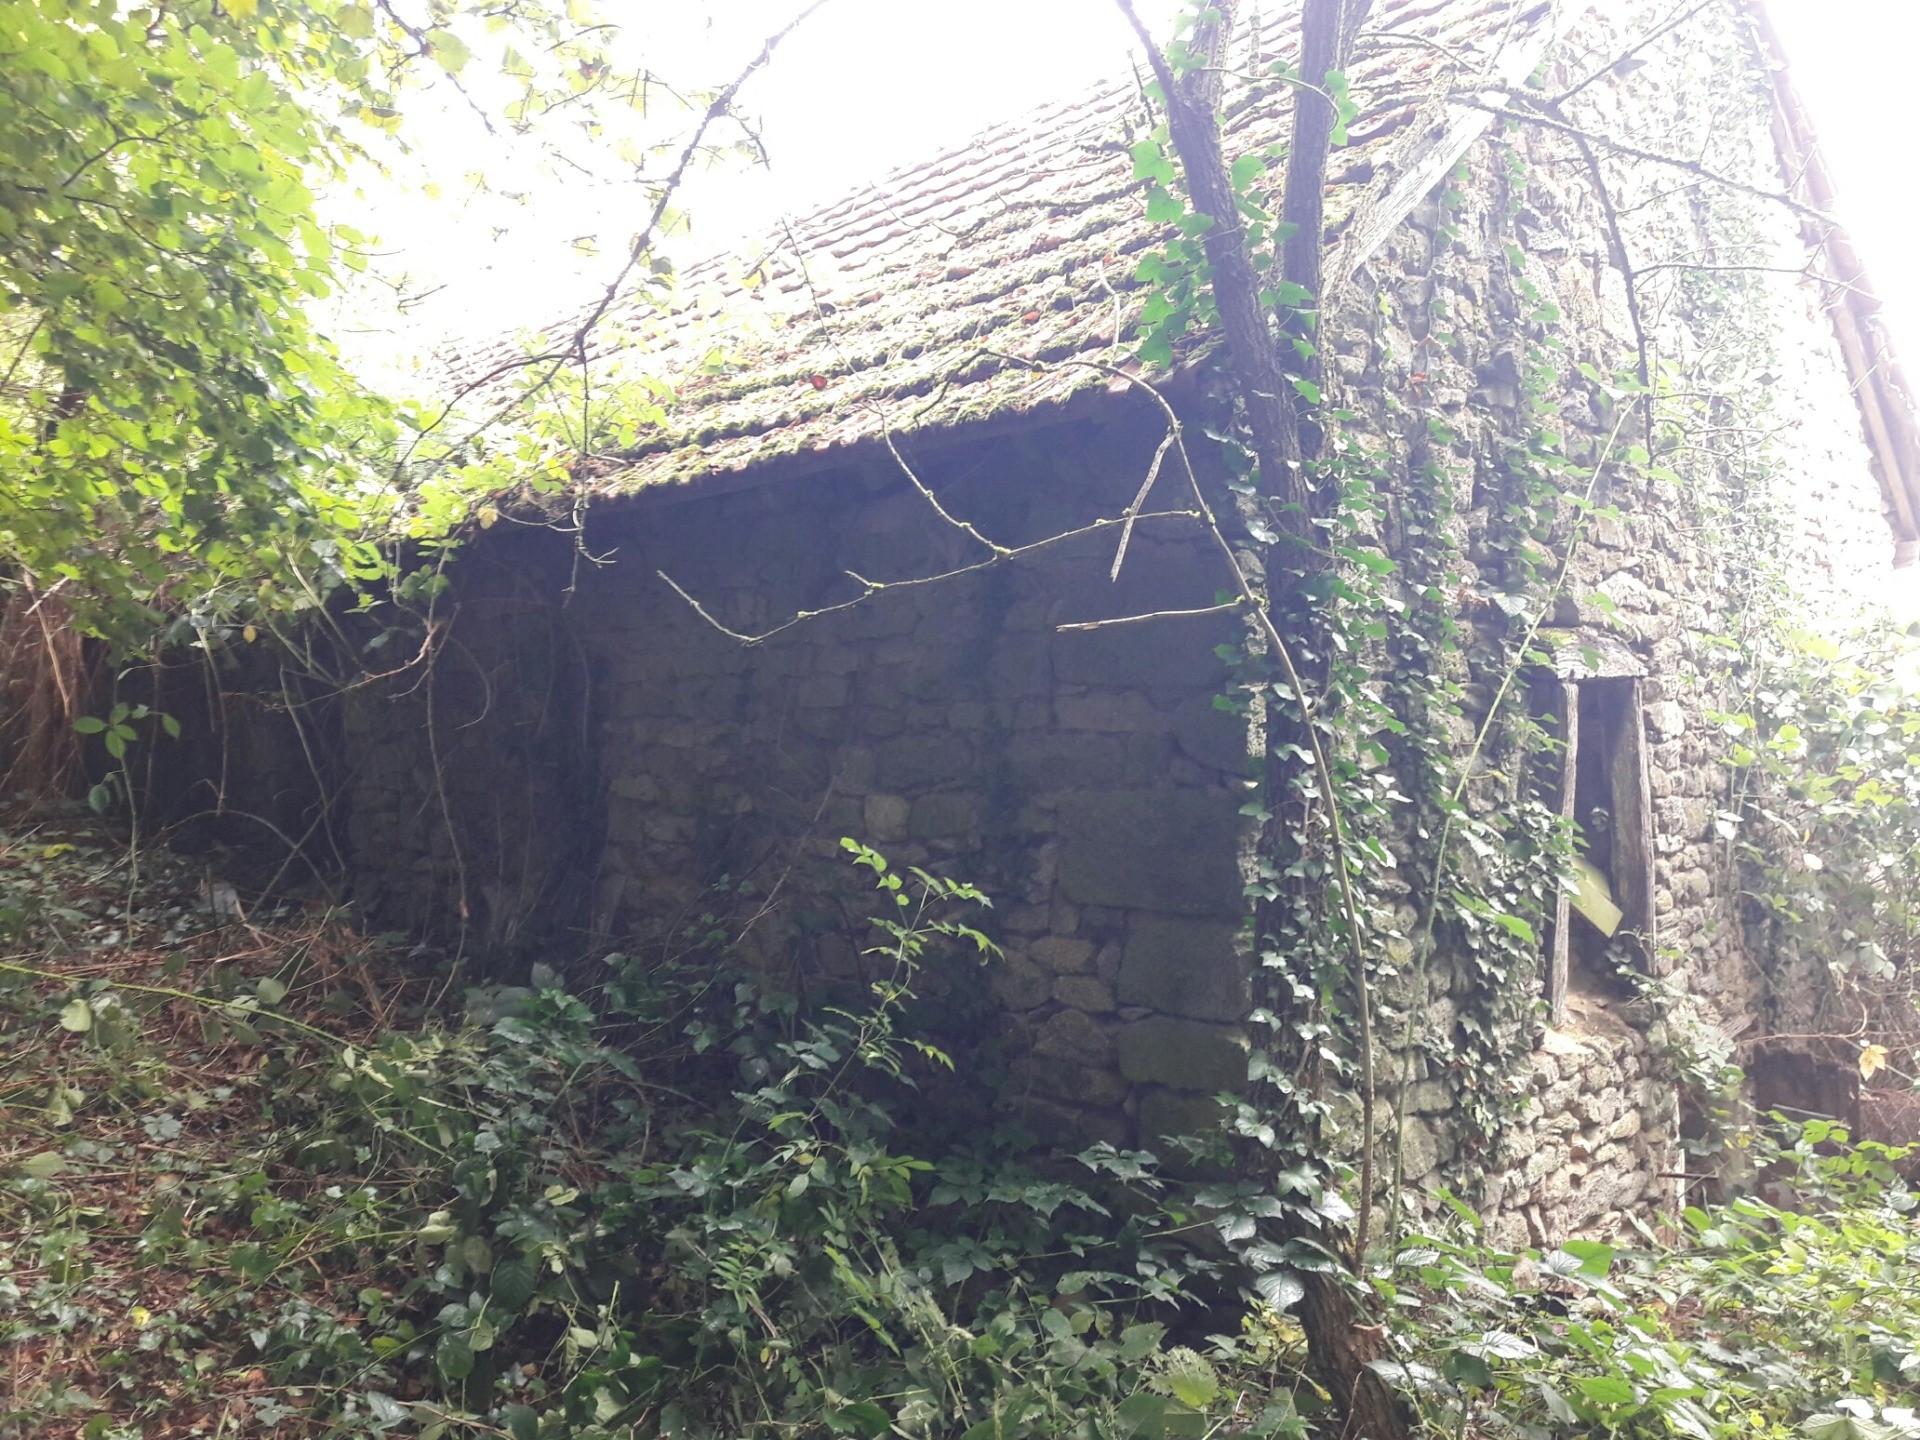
(1340, 1345)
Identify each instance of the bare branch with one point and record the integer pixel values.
(871, 588)
(1530, 115)
(1225, 607)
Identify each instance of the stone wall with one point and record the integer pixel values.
(1085, 779)
(590, 761)
(1762, 490)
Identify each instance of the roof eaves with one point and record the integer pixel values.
(1879, 385)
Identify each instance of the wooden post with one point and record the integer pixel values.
(1557, 957)
(1631, 781)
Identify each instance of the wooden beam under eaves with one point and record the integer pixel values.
(1880, 389)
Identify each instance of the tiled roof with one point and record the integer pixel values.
(895, 309)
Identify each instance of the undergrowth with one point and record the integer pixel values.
(266, 1176)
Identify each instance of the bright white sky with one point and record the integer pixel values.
(869, 85)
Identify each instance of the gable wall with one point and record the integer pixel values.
(1770, 507)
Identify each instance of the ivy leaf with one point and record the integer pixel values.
(1514, 926)
(1282, 1289)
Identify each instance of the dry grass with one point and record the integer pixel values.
(127, 1149)
(43, 690)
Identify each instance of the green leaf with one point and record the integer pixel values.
(1607, 1390)
(1195, 1388)
(1594, 1257)
(513, 1284)
(1517, 928)
(1142, 1416)
(477, 1253)
(1468, 1369)
(1282, 1289)
(449, 51)
(77, 1016)
(865, 1420)
(89, 725)
(44, 1166)
(270, 990)
(522, 1421)
(1557, 1406)
(454, 1356)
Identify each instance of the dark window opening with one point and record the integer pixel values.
(1603, 786)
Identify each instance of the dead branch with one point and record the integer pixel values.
(869, 589)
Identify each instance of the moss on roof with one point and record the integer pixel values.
(907, 306)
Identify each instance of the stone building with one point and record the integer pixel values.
(921, 381)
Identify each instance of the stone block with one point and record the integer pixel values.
(1028, 920)
(1019, 984)
(1072, 1126)
(1117, 711)
(1191, 968)
(1183, 1054)
(1212, 736)
(1044, 760)
(1666, 719)
(821, 692)
(1063, 954)
(1085, 992)
(1167, 1115)
(1021, 668)
(1175, 852)
(1176, 653)
(638, 786)
(885, 817)
(1068, 1080)
(944, 816)
(1420, 1149)
(919, 762)
(1075, 1037)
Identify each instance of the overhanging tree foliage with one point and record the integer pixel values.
(173, 430)
(178, 437)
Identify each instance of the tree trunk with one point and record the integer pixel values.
(1340, 1346)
